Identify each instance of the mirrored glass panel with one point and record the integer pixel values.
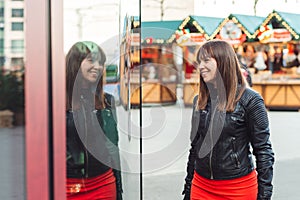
(103, 107)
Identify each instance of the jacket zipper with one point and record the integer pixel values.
(212, 144)
(210, 161)
(234, 152)
(85, 150)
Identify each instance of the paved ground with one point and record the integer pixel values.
(165, 139)
(285, 137)
(12, 163)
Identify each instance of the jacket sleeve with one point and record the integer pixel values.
(192, 154)
(111, 131)
(262, 148)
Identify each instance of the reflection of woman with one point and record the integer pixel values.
(93, 162)
(228, 119)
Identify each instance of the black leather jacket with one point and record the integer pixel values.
(92, 142)
(228, 154)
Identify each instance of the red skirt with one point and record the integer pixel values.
(101, 187)
(243, 188)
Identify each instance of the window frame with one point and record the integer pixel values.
(14, 27)
(17, 9)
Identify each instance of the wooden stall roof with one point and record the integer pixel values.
(159, 32)
(291, 21)
(249, 24)
(205, 25)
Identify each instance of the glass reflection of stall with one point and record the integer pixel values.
(159, 74)
(159, 71)
(129, 59)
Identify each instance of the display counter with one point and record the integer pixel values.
(190, 90)
(282, 93)
(279, 91)
(153, 92)
(159, 85)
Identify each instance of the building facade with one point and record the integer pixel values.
(12, 34)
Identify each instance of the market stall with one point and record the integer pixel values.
(281, 88)
(237, 28)
(192, 32)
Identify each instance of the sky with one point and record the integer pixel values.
(100, 20)
(222, 8)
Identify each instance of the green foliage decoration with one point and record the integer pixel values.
(12, 90)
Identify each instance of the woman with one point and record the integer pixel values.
(228, 120)
(278, 60)
(249, 56)
(93, 162)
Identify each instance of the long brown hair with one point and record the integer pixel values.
(230, 82)
(78, 52)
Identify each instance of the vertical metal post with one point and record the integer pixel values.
(58, 101)
(36, 99)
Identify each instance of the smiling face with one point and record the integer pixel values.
(219, 65)
(91, 70)
(85, 70)
(208, 69)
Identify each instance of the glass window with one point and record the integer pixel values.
(17, 26)
(1, 49)
(17, 46)
(2, 60)
(1, 11)
(17, 12)
(17, 61)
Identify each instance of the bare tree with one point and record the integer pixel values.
(163, 7)
(161, 3)
(254, 7)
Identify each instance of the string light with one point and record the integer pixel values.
(185, 21)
